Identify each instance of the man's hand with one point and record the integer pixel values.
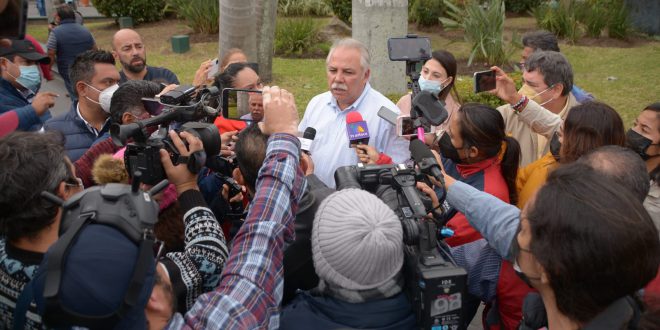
(179, 175)
(232, 199)
(167, 88)
(307, 163)
(367, 154)
(43, 101)
(428, 191)
(505, 88)
(280, 115)
(448, 179)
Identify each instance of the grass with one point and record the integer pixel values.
(636, 69)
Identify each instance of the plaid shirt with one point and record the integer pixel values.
(250, 291)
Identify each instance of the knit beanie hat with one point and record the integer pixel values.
(357, 241)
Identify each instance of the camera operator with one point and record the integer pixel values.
(358, 252)
(298, 265)
(570, 186)
(31, 163)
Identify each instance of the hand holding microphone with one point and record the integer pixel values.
(356, 129)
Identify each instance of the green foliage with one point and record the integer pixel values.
(200, 15)
(521, 6)
(303, 8)
(140, 10)
(560, 18)
(426, 12)
(484, 29)
(295, 36)
(342, 9)
(567, 18)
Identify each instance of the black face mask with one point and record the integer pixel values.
(447, 149)
(638, 143)
(555, 146)
(515, 252)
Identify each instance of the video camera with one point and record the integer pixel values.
(182, 105)
(435, 286)
(426, 109)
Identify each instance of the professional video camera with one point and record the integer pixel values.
(181, 105)
(426, 108)
(434, 284)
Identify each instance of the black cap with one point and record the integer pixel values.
(25, 49)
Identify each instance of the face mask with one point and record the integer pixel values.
(30, 77)
(448, 150)
(106, 96)
(555, 146)
(533, 95)
(435, 87)
(515, 252)
(639, 144)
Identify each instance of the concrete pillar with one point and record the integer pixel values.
(374, 21)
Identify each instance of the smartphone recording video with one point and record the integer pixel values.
(484, 81)
(409, 49)
(242, 104)
(405, 127)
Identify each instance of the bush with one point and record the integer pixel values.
(201, 15)
(140, 10)
(295, 36)
(560, 18)
(521, 6)
(342, 9)
(426, 12)
(303, 8)
(618, 25)
(593, 17)
(484, 30)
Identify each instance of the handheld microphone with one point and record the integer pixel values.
(307, 139)
(424, 158)
(356, 129)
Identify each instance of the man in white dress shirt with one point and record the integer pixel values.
(347, 70)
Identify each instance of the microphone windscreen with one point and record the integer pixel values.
(310, 133)
(107, 169)
(419, 150)
(353, 117)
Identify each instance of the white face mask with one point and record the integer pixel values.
(105, 96)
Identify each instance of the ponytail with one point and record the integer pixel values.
(509, 166)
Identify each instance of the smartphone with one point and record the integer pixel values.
(214, 69)
(484, 81)
(404, 126)
(237, 103)
(13, 18)
(387, 114)
(411, 49)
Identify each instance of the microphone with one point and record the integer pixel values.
(356, 129)
(424, 158)
(307, 139)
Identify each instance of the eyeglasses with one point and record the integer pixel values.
(78, 182)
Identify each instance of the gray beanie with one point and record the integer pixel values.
(357, 241)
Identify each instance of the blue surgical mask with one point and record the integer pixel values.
(30, 77)
(432, 86)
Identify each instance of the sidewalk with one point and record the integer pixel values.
(87, 12)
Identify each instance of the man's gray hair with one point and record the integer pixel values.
(540, 40)
(554, 67)
(365, 60)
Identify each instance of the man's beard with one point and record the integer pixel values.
(137, 68)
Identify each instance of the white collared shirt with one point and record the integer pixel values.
(89, 126)
(330, 148)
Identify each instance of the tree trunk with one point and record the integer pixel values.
(238, 27)
(266, 38)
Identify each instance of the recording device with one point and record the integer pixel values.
(236, 102)
(426, 108)
(13, 19)
(356, 129)
(435, 286)
(125, 208)
(307, 139)
(179, 96)
(215, 67)
(484, 81)
(409, 49)
(142, 154)
(405, 126)
(388, 115)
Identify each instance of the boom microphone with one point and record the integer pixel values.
(307, 139)
(356, 129)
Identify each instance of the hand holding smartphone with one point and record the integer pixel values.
(214, 69)
(484, 81)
